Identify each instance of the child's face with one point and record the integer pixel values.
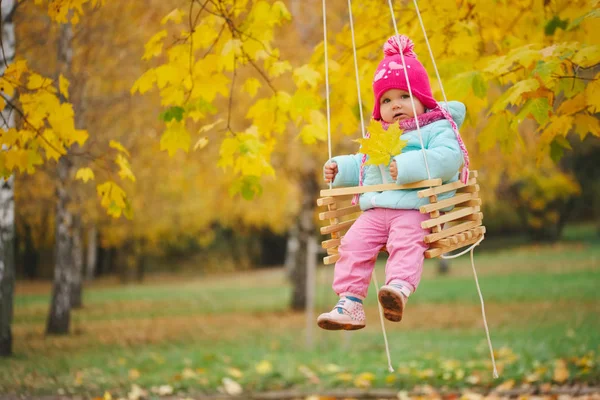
(395, 105)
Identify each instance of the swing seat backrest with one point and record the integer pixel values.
(449, 231)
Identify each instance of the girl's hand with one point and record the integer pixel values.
(330, 170)
(394, 170)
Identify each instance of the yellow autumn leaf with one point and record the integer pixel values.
(585, 123)
(306, 75)
(134, 374)
(176, 15)
(316, 129)
(264, 367)
(587, 56)
(112, 198)
(364, 380)
(85, 174)
(561, 372)
(278, 68)
(107, 396)
(63, 85)
(251, 86)
(176, 136)
(154, 46)
(236, 373)
(201, 143)
(145, 82)
(116, 145)
(382, 144)
(124, 168)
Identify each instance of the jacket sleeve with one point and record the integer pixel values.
(443, 153)
(348, 170)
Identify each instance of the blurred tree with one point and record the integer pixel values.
(7, 204)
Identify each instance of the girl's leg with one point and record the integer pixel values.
(405, 263)
(406, 247)
(358, 252)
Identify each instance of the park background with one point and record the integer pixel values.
(163, 161)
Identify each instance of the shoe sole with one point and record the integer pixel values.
(392, 305)
(331, 325)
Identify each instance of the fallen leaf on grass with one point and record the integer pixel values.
(264, 367)
(134, 374)
(231, 387)
(364, 380)
(137, 393)
(561, 373)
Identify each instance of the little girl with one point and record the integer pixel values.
(392, 218)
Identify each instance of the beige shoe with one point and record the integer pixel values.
(347, 314)
(393, 299)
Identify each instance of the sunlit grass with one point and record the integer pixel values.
(541, 301)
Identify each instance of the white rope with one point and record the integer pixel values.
(362, 121)
(430, 52)
(387, 347)
(327, 81)
(462, 252)
(487, 331)
(412, 100)
(470, 249)
(364, 134)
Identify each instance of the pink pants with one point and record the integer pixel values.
(400, 231)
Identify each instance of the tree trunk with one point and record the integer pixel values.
(92, 252)
(76, 284)
(7, 202)
(306, 232)
(31, 256)
(60, 309)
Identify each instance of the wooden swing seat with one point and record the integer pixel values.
(450, 231)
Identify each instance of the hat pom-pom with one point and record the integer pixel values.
(397, 44)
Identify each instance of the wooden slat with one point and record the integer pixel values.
(478, 216)
(323, 201)
(339, 212)
(438, 251)
(452, 201)
(469, 189)
(379, 188)
(469, 234)
(443, 189)
(449, 217)
(331, 259)
(327, 244)
(472, 203)
(432, 237)
(332, 251)
(336, 228)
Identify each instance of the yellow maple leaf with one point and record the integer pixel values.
(251, 86)
(561, 373)
(306, 75)
(264, 367)
(382, 144)
(364, 380)
(176, 136)
(124, 168)
(84, 174)
(176, 15)
(116, 145)
(63, 85)
(113, 198)
(154, 46)
(201, 143)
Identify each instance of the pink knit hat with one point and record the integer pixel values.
(390, 73)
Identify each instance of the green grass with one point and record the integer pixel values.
(542, 306)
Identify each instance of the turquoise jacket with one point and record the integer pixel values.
(444, 158)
